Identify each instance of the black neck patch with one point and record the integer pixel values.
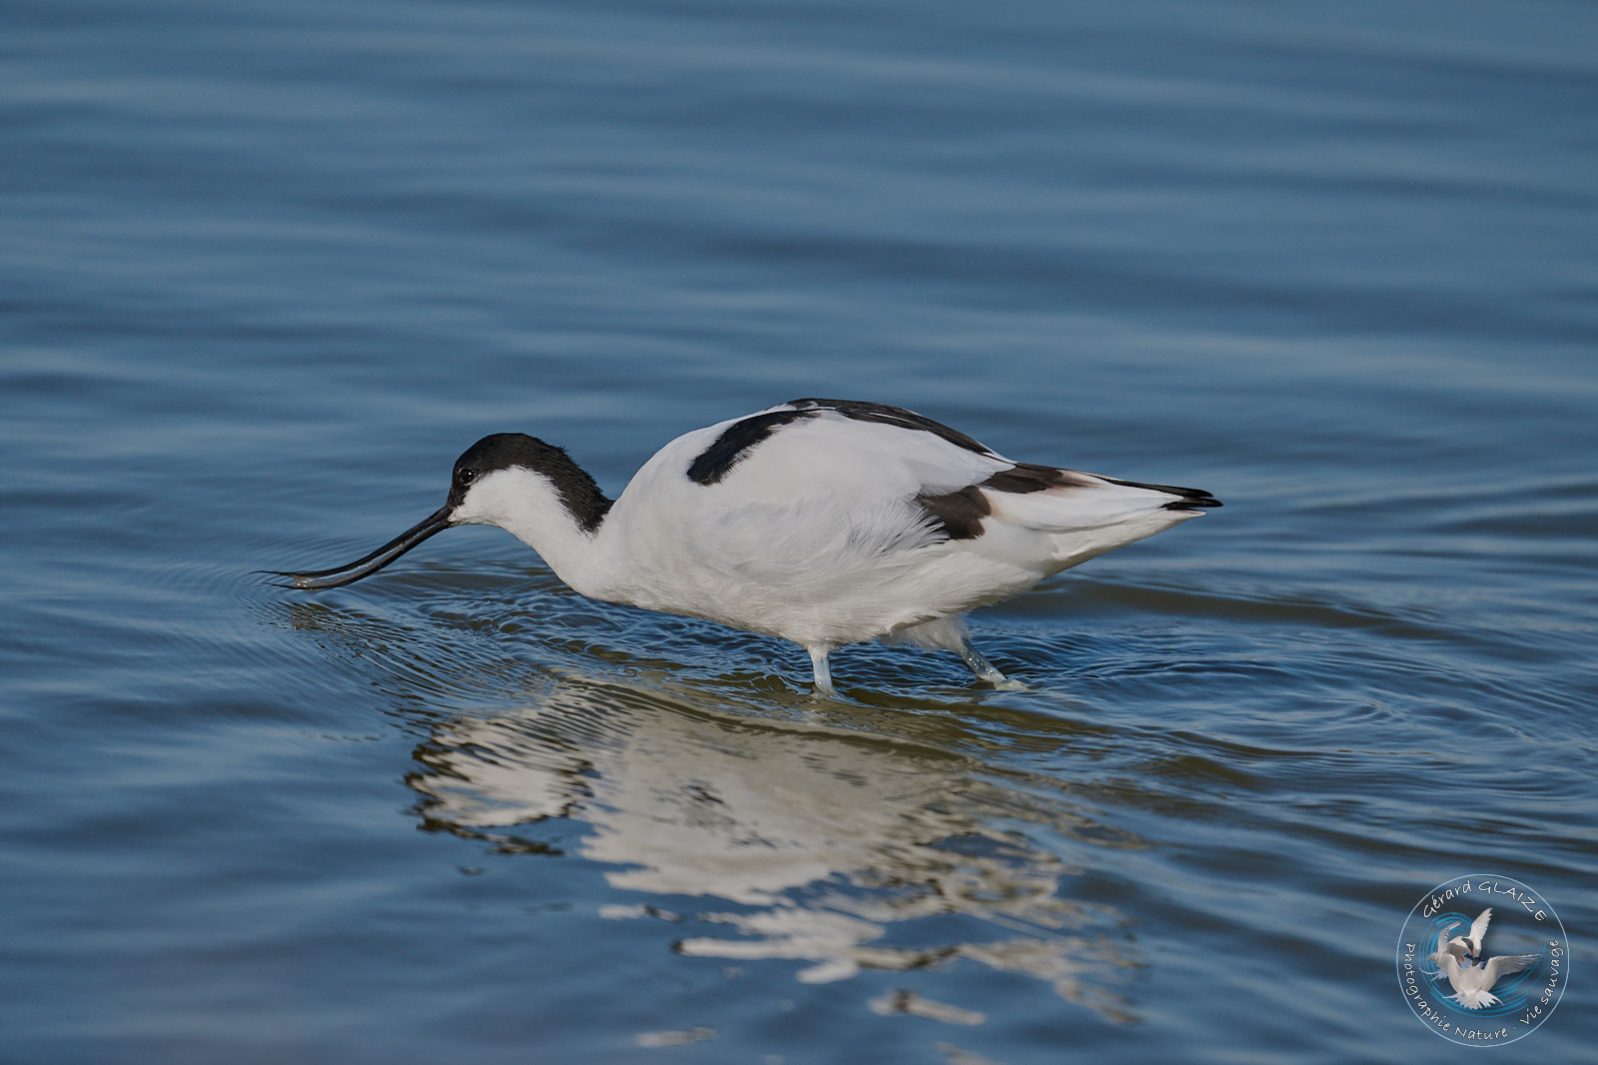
(886, 415)
(579, 493)
(736, 441)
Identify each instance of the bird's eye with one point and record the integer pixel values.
(466, 476)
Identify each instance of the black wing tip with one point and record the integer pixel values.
(1197, 502)
(1192, 498)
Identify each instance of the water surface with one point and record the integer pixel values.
(266, 271)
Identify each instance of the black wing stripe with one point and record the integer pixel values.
(736, 441)
(1026, 477)
(895, 416)
(957, 515)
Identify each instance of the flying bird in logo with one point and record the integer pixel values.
(1467, 948)
(1473, 983)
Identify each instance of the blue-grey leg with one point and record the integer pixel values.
(979, 664)
(818, 666)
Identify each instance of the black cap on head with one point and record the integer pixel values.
(502, 451)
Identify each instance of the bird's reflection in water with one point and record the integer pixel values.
(806, 842)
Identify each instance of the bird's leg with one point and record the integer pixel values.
(980, 665)
(818, 666)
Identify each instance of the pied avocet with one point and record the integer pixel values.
(822, 521)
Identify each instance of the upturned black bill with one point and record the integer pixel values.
(367, 565)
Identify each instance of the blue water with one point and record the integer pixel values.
(266, 269)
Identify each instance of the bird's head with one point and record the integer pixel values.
(495, 476)
(497, 481)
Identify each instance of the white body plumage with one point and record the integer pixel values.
(824, 522)
(1473, 984)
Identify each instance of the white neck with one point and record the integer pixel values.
(526, 504)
